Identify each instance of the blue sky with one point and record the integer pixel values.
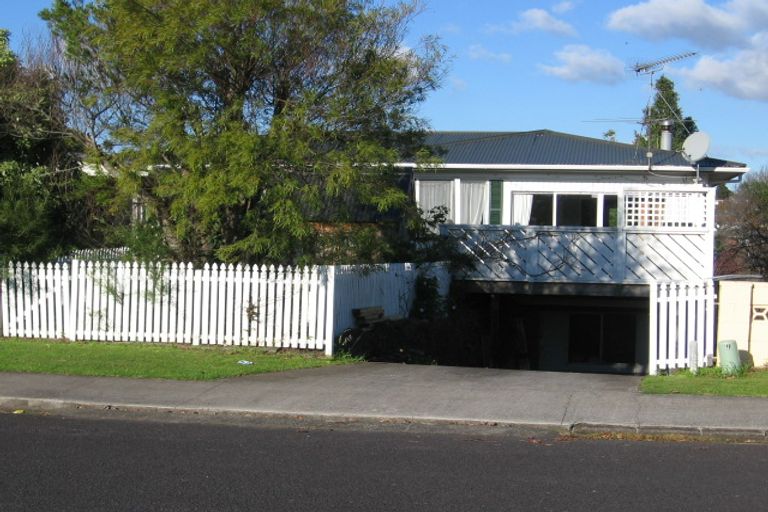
(563, 65)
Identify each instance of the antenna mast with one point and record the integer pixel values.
(649, 68)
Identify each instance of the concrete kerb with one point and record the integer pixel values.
(651, 431)
(10, 404)
(314, 419)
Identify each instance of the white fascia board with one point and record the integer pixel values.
(731, 170)
(526, 167)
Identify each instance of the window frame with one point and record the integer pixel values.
(599, 197)
(450, 219)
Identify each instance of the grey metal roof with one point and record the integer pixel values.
(546, 147)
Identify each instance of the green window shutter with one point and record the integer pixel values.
(496, 201)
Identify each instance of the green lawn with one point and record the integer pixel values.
(144, 360)
(708, 382)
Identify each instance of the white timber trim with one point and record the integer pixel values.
(554, 209)
(600, 209)
(506, 203)
(456, 200)
(711, 204)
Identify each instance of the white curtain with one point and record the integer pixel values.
(521, 208)
(436, 193)
(474, 202)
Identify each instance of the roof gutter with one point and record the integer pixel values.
(537, 167)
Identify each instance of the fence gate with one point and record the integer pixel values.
(682, 325)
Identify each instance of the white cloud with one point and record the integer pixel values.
(562, 7)
(580, 63)
(535, 19)
(753, 12)
(458, 85)
(694, 20)
(736, 29)
(743, 75)
(479, 52)
(450, 28)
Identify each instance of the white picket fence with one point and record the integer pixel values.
(214, 305)
(681, 325)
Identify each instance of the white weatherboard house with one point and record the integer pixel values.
(592, 255)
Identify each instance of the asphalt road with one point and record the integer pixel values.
(52, 463)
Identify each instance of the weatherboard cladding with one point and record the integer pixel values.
(545, 147)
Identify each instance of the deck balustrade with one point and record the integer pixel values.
(584, 254)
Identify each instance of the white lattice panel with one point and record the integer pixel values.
(651, 209)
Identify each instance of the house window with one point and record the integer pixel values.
(434, 193)
(610, 211)
(576, 210)
(474, 202)
(565, 209)
(532, 209)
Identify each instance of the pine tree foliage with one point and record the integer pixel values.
(666, 105)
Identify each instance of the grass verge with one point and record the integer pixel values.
(709, 381)
(143, 360)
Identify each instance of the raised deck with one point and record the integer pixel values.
(584, 254)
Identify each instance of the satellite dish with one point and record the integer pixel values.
(696, 146)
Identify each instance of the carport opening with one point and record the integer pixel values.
(602, 337)
(582, 334)
(521, 331)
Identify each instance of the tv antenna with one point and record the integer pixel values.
(650, 68)
(647, 68)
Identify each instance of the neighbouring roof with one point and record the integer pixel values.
(546, 147)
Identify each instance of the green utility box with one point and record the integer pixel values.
(728, 356)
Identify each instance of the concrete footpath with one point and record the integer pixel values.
(409, 393)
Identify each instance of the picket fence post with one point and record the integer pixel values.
(653, 327)
(329, 318)
(70, 300)
(709, 328)
(4, 305)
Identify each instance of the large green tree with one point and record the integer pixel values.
(31, 123)
(665, 106)
(47, 204)
(32, 219)
(253, 130)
